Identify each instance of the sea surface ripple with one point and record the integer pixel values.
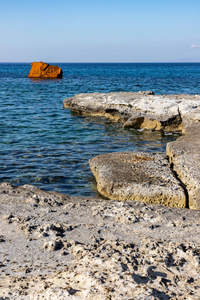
(48, 146)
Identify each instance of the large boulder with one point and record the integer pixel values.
(43, 70)
(137, 176)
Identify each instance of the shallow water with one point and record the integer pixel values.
(48, 146)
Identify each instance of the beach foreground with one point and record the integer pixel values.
(55, 246)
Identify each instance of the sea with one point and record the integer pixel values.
(45, 145)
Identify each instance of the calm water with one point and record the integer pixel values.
(43, 144)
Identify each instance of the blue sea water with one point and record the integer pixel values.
(48, 146)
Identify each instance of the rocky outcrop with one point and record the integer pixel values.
(43, 70)
(184, 156)
(53, 246)
(137, 176)
(139, 110)
(144, 110)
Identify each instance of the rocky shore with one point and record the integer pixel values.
(54, 246)
(140, 110)
(144, 110)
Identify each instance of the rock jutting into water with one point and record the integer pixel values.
(55, 246)
(138, 110)
(43, 70)
(144, 110)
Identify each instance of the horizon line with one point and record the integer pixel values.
(62, 62)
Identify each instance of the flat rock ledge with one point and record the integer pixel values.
(139, 110)
(137, 176)
(144, 110)
(53, 246)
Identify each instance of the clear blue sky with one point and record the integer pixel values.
(100, 30)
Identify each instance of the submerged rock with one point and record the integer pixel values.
(43, 70)
(137, 176)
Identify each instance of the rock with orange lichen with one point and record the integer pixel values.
(43, 70)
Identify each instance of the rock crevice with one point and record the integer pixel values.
(184, 187)
(184, 156)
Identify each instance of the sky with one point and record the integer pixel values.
(100, 31)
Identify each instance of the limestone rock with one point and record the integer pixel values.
(156, 112)
(184, 155)
(137, 176)
(139, 110)
(43, 70)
